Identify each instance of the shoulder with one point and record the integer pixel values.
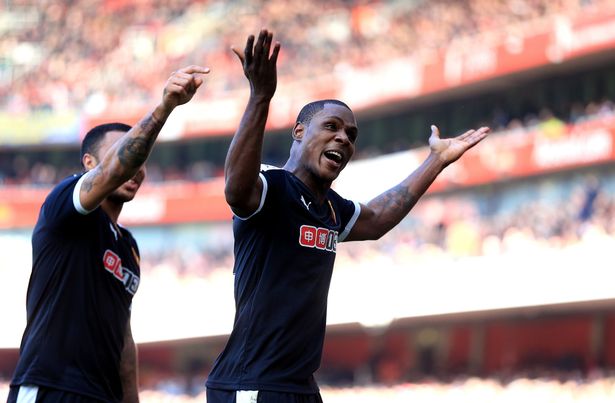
(63, 191)
(59, 208)
(273, 177)
(334, 196)
(270, 171)
(66, 183)
(349, 210)
(267, 167)
(126, 232)
(274, 181)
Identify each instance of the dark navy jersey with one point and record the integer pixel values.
(85, 271)
(284, 255)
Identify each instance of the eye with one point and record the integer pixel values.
(352, 135)
(331, 126)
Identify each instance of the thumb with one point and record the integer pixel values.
(239, 55)
(435, 132)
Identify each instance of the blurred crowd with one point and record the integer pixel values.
(460, 226)
(36, 168)
(514, 219)
(96, 55)
(100, 55)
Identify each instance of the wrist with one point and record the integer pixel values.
(161, 113)
(436, 161)
(260, 98)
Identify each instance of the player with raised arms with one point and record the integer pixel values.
(78, 346)
(287, 225)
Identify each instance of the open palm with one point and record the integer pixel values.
(449, 150)
(259, 63)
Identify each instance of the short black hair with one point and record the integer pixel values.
(93, 138)
(308, 111)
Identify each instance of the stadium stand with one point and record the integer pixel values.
(494, 289)
(119, 42)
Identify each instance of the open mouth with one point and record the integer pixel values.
(334, 156)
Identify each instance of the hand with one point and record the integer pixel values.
(449, 150)
(258, 66)
(182, 86)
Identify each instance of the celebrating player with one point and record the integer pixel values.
(287, 225)
(77, 345)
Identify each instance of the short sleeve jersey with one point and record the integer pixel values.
(284, 255)
(85, 271)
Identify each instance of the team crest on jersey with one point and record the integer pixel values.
(319, 238)
(113, 264)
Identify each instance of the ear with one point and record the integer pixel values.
(89, 161)
(298, 131)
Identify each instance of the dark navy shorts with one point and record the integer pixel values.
(261, 396)
(41, 394)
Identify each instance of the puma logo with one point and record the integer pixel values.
(307, 205)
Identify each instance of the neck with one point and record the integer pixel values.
(317, 185)
(113, 209)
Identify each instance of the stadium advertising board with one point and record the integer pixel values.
(542, 149)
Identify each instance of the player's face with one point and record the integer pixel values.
(127, 191)
(329, 141)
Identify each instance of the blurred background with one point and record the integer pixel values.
(499, 286)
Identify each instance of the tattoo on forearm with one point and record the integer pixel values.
(399, 200)
(134, 151)
(88, 182)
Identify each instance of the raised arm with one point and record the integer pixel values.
(384, 212)
(243, 186)
(122, 161)
(128, 368)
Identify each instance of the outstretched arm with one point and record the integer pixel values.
(384, 212)
(127, 155)
(243, 186)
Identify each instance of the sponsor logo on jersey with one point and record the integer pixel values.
(113, 264)
(319, 238)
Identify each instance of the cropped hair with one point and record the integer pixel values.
(308, 111)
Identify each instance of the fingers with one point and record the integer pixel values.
(267, 44)
(262, 48)
(471, 136)
(197, 82)
(184, 80)
(474, 136)
(187, 80)
(478, 135)
(194, 70)
(465, 135)
(188, 77)
(274, 54)
(174, 88)
(260, 43)
(248, 50)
